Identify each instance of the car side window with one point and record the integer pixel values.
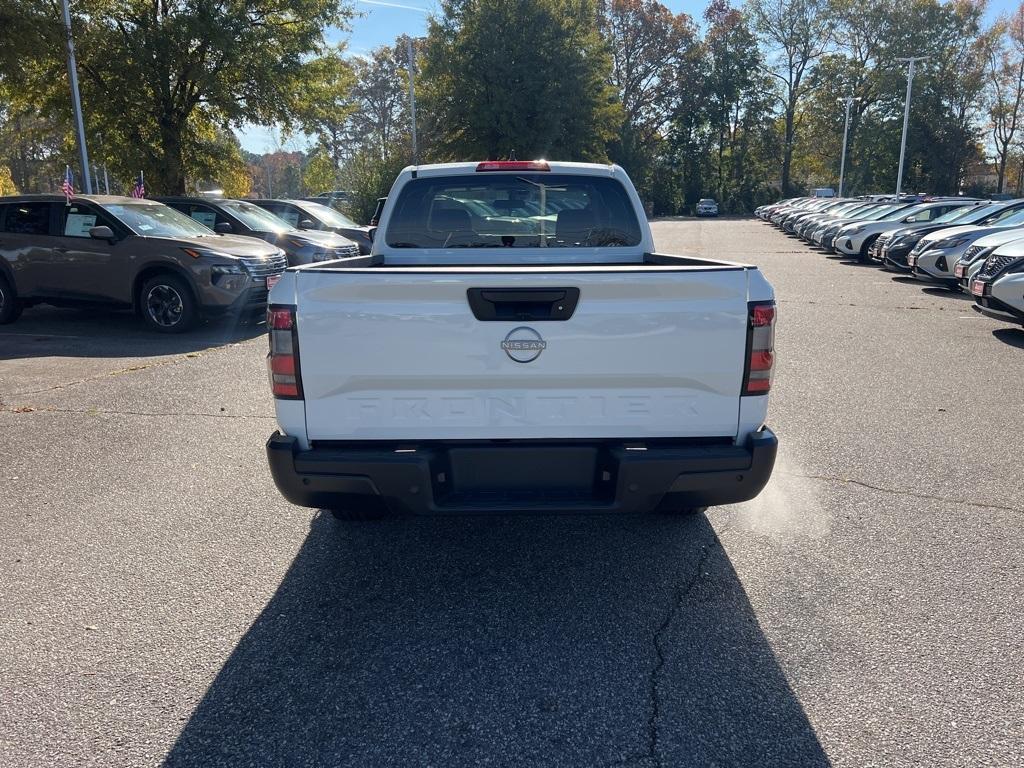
(286, 212)
(28, 219)
(78, 219)
(205, 216)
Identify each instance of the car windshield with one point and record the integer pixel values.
(523, 211)
(957, 213)
(1013, 218)
(256, 218)
(880, 214)
(976, 214)
(903, 212)
(328, 215)
(156, 220)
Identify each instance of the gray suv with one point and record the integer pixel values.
(130, 253)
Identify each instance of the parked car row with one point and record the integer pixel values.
(173, 260)
(963, 244)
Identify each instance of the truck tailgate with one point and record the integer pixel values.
(399, 354)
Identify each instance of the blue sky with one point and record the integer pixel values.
(379, 22)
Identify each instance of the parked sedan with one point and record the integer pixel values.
(891, 249)
(973, 258)
(855, 239)
(998, 287)
(130, 253)
(243, 218)
(306, 215)
(934, 257)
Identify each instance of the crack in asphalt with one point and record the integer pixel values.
(102, 412)
(129, 369)
(653, 752)
(901, 492)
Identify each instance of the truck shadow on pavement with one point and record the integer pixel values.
(52, 332)
(519, 641)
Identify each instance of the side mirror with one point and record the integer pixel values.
(371, 232)
(223, 228)
(101, 233)
(307, 224)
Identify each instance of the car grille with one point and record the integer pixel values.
(341, 252)
(994, 265)
(971, 253)
(882, 241)
(266, 267)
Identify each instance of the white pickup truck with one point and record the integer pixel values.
(513, 343)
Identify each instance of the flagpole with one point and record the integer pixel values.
(76, 101)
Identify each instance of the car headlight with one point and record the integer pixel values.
(906, 240)
(951, 242)
(855, 230)
(198, 253)
(228, 269)
(1017, 267)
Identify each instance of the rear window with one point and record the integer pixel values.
(530, 210)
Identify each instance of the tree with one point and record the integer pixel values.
(7, 186)
(1006, 88)
(529, 76)
(649, 45)
(157, 77)
(797, 33)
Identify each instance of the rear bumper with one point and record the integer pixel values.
(521, 476)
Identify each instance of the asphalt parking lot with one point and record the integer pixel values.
(161, 604)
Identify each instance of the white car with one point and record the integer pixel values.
(470, 365)
(855, 239)
(934, 258)
(972, 260)
(998, 287)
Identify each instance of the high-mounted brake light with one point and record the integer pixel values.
(757, 371)
(283, 358)
(513, 165)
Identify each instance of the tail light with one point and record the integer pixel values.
(513, 165)
(757, 373)
(283, 359)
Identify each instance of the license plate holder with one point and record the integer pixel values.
(959, 270)
(978, 288)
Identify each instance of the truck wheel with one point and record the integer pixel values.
(10, 307)
(166, 304)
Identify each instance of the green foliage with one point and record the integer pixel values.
(157, 78)
(529, 76)
(320, 173)
(366, 176)
(7, 186)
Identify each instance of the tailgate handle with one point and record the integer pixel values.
(531, 304)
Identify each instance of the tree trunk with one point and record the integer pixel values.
(787, 153)
(171, 174)
(1002, 170)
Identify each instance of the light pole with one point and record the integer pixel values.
(848, 101)
(411, 67)
(76, 101)
(912, 60)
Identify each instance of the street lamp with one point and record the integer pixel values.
(848, 101)
(912, 60)
(76, 101)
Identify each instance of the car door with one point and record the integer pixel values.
(93, 268)
(28, 244)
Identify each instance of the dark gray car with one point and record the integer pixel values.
(131, 253)
(306, 215)
(240, 217)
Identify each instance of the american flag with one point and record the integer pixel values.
(139, 187)
(68, 186)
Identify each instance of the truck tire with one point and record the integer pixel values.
(166, 303)
(10, 307)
